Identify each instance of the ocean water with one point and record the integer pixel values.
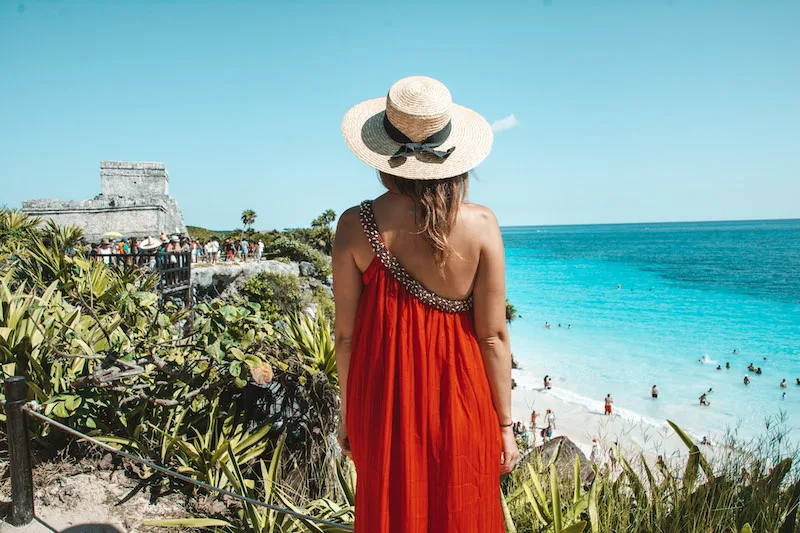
(688, 292)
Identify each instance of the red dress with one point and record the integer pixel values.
(423, 431)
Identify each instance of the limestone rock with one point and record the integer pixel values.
(134, 201)
(308, 270)
(566, 458)
(223, 279)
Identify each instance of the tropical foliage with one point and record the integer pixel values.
(243, 394)
(248, 218)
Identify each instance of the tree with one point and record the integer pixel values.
(325, 219)
(248, 217)
(511, 312)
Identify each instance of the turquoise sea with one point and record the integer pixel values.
(687, 292)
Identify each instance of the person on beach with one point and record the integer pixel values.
(654, 391)
(534, 414)
(705, 441)
(609, 401)
(596, 456)
(746, 379)
(704, 400)
(419, 288)
(548, 383)
(784, 384)
(612, 458)
(550, 419)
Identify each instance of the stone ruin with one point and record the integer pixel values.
(134, 201)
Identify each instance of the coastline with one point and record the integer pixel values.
(581, 424)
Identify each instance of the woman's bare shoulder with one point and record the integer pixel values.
(349, 224)
(478, 217)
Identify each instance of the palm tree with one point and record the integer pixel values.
(325, 219)
(511, 312)
(248, 217)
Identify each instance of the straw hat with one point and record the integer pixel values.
(417, 132)
(149, 243)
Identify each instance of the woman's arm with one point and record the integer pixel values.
(347, 287)
(492, 331)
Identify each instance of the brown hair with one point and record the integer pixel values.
(438, 202)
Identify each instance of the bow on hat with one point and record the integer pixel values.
(409, 147)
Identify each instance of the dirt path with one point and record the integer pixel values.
(88, 502)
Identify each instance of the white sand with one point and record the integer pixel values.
(581, 425)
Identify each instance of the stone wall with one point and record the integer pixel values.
(129, 179)
(134, 202)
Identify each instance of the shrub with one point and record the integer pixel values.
(322, 298)
(278, 294)
(295, 250)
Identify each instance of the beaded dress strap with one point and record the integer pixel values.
(399, 273)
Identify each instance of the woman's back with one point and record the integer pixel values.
(397, 219)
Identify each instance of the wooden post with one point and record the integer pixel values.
(19, 451)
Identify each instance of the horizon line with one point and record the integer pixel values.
(710, 221)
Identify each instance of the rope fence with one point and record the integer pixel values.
(17, 411)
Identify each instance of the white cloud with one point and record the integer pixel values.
(505, 123)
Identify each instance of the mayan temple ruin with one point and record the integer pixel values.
(134, 201)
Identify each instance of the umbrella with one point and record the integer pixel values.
(112, 235)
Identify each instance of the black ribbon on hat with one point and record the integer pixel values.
(408, 147)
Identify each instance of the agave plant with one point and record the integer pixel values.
(16, 231)
(312, 339)
(267, 488)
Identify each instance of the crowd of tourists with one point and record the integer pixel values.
(208, 251)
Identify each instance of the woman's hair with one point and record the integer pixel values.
(438, 202)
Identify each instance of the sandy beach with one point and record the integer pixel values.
(581, 424)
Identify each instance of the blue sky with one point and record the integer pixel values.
(647, 110)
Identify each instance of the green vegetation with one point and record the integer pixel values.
(746, 490)
(243, 394)
(218, 392)
(248, 218)
(278, 294)
(203, 235)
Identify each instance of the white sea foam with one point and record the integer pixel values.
(706, 360)
(526, 379)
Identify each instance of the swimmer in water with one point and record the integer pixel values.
(654, 391)
(758, 371)
(784, 384)
(751, 367)
(719, 367)
(710, 390)
(746, 379)
(798, 381)
(704, 400)
(727, 366)
(547, 325)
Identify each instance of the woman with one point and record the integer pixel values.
(421, 342)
